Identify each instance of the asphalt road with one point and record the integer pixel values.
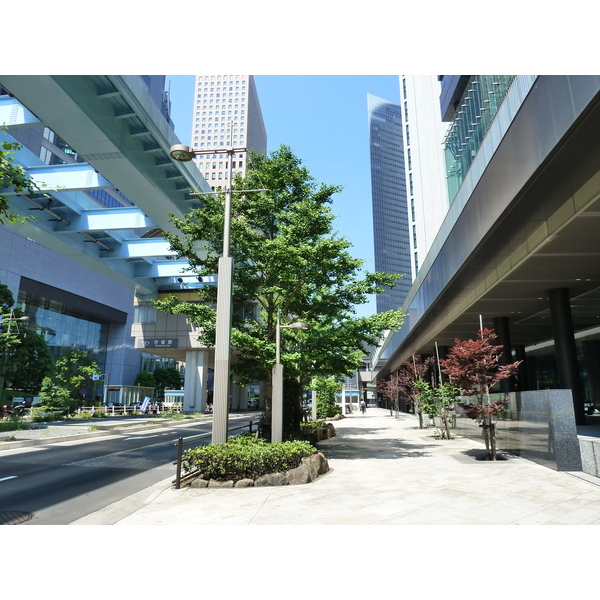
(58, 483)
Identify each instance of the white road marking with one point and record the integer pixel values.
(9, 477)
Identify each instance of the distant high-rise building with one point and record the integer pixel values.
(221, 100)
(388, 190)
(425, 167)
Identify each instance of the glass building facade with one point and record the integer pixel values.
(474, 114)
(388, 188)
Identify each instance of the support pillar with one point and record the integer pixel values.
(565, 350)
(196, 378)
(277, 404)
(502, 330)
(523, 371)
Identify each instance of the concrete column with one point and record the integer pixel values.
(565, 351)
(523, 371)
(196, 376)
(277, 404)
(502, 330)
(591, 359)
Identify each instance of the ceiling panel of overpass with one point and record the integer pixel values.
(114, 125)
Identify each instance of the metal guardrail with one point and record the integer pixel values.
(190, 439)
(116, 411)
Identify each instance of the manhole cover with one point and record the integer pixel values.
(14, 517)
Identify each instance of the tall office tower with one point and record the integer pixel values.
(220, 101)
(425, 167)
(388, 190)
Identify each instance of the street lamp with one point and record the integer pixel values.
(220, 410)
(277, 400)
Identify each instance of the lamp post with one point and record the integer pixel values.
(277, 400)
(5, 361)
(220, 411)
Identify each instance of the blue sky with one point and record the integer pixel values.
(323, 119)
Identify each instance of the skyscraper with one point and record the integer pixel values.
(423, 130)
(223, 100)
(388, 190)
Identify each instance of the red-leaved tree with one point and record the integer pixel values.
(409, 372)
(473, 366)
(389, 388)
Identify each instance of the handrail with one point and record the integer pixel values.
(190, 439)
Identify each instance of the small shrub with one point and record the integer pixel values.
(84, 414)
(42, 415)
(172, 414)
(14, 424)
(244, 457)
(310, 427)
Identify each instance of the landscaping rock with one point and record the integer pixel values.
(271, 479)
(311, 466)
(321, 461)
(199, 483)
(300, 475)
(244, 483)
(213, 483)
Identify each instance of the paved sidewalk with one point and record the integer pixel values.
(384, 471)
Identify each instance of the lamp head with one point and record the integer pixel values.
(297, 325)
(181, 152)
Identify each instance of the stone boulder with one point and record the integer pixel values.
(310, 468)
(199, 483)
(299, 475)
(271, 479)
(213, 483)
(321, 463)
(244, 483)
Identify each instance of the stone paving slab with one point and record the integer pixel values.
(384, 471)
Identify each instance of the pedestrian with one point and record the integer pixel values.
(363, 407)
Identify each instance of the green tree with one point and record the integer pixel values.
(29, 362)
(10, 333)
(287, 260)
(12, 177)
(166, 379)
(145, 379)
(73, 372)
(437, 402)
(326, 389)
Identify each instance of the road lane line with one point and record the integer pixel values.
(9, 477)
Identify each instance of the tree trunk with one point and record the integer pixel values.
(446, 426)
(492, 438)
(486, 437)
(420, 419)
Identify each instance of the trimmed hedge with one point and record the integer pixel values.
(244, 457)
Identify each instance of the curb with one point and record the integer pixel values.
(110, 430)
